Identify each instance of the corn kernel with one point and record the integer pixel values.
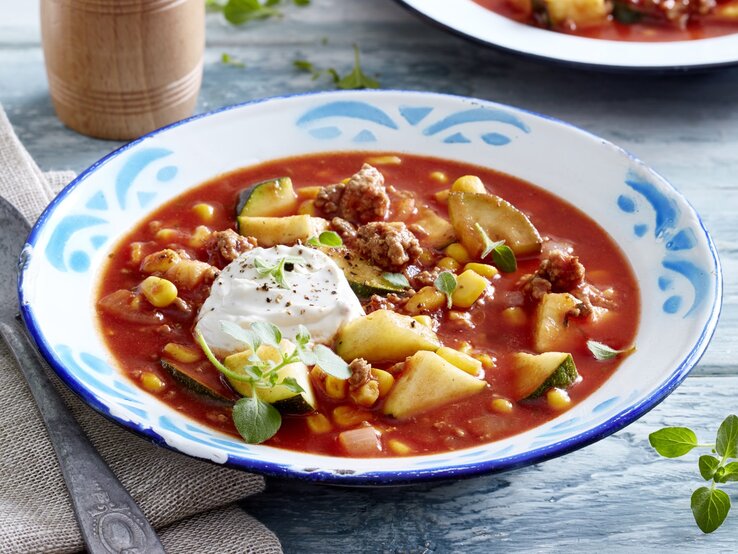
(167, 235)
(502, 405)
(439, 177)
(426, 257)
(461, 360)
(152, 382)
(159, 292)
(307, 208)
(457, 251)
(181, 353)
(470, 285)
(384, 160)
(449, 263)
(319, 424)
(385, 379)
(200, 236)
(442, 196)
(367, 394)
(160, 261)
(469, 183)
(308, 192)
(204, 211)
(348, 416)
(424, 320)
(426, 299)
(514, 315)
(465, 347)
(558, 399)
(346, 180)
(335, 387)
(487, 361)
(485, 270)
(398, 447)
(136, 254)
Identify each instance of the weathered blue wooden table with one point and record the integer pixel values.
(616, 495)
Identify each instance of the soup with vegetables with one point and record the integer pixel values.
(357, 304)
(628, 20)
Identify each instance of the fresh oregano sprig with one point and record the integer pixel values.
(326, 239)
(396, 279)
(446, 283)
(355, 79)
(239, 12)
(256, 420)
(502, 255)
(276, 271)
(602, 351)
(710, 505)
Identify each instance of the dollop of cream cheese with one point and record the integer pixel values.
(319, 297)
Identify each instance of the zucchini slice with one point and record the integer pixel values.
(200, 378)
(282, 398)
(536, 373)
(364, 278)
(271, 198)
(499, 219)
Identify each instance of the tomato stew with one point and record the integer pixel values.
(500, 323)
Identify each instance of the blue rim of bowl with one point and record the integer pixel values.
(388, 477)
(603, 67)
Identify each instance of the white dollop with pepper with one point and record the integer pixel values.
(315, 293)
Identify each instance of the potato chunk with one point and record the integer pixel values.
(428, 381)
(384, 336)
(582, 13)
(551, 330)
(270, 231)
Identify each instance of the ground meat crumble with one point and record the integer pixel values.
(387, 245)
(361, 200)
(225, 246)
(561, 271)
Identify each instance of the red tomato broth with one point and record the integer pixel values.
(653, 31)
(466, 423)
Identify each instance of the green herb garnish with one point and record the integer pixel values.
(356, 79)
(327, 239)
(227, 59)
(710, 505)
(238, 12)
(277, 270)
(603, 352)
(396, 279)
(256, 420)
(446, 283)
(502, 256)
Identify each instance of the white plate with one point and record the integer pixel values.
(672, 255)
(476, 22)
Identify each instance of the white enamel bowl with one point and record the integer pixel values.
(673, 257)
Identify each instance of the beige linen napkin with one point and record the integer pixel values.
(188, 501)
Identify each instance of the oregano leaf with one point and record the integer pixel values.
(672, 442)
(256, 420)
(708, 466)
(710, 507)
(729, 473)
(396, 279)
(727, 438)
(330, 362)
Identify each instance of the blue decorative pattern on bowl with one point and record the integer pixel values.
(671, 253)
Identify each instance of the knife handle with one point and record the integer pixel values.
(108, 518)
